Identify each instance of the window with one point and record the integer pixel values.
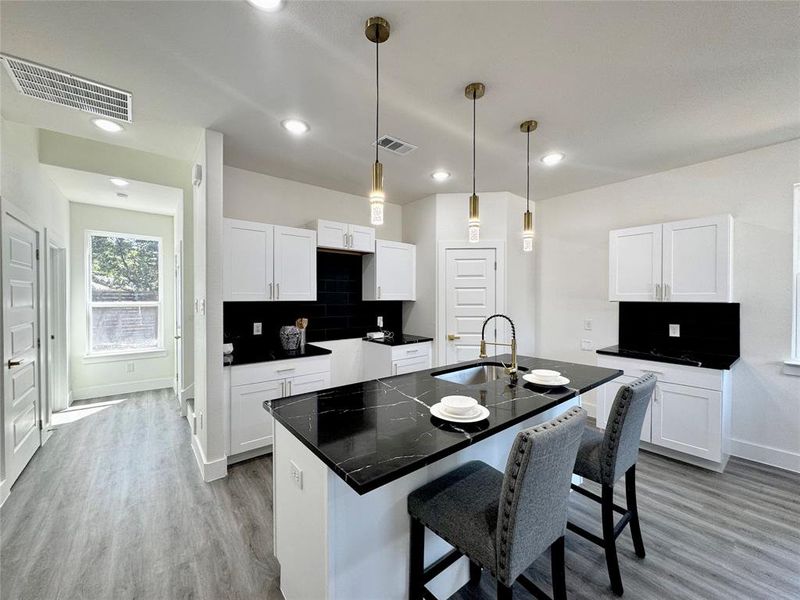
(124, 299)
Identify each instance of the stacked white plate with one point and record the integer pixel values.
(546, 378)
(459, 409)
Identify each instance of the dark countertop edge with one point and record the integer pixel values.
(318, 351)
(725, 363)
(418, 339)
(382, 480)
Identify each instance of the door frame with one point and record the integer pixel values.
(499, 246)
(7, 206)
(55, 241)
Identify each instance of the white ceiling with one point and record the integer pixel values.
(623, 88)
(94, 188)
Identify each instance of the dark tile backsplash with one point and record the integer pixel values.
(338, 313)
(705, 327)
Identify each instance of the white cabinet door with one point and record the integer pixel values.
(697, 260)
(688, 419)
(410, 365)
(247, 253)
(251, 425)
(332, 234)
(395, 274)
(295, 264)
(303, 384)
(634, 263)
(362, 239)
(605, 400)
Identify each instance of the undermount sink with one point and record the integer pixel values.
(475, 374)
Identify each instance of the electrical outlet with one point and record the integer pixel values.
(587, 324)
(587, 344)
(256, 328)
(296, 474)
(380, 321)
(130, 367)
(674, 330)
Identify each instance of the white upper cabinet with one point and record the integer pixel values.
(680, 261)
(345, 236)
(295, 264)
(634, 268)
(268, 262)
(697, 260)
(247, 270)
(390, 273)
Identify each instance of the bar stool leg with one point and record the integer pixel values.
(609, 543)
(630, 498)
(416, 560)
(557, 569)
(503, 592)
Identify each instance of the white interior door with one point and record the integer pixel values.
(21, 391)
(697, 260)
(295, 264)
(634, 264)
(247, 269)
(470, 297)
(56, 338)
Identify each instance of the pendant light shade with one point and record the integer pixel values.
(474, 91)
(527, 219)
(377, 31)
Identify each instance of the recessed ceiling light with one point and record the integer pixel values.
(266, 5)
(440, 175)
(553, 158)
(118, 182)
(295, 126)
(106, 125)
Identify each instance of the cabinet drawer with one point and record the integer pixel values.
(279, 369)
(411, 350)
(410, 365)
(710, 379)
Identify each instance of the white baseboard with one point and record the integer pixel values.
(775, 457)
(210, 470)
(187, 392)
(127, 387)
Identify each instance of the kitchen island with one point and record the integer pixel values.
(346, 458)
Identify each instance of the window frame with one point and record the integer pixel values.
(156, 350)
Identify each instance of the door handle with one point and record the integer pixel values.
(177, 337)
(14, 363)
(452, 336)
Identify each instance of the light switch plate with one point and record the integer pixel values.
(380, 321)
(256, 328)
(587, 324)
(674, 330)
(296, 474)
(587, 344)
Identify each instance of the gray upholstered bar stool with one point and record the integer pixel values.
(501, 521)
(604, 458)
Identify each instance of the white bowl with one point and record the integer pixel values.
(546, 374)
(459, 405)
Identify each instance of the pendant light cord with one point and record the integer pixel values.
(528, 166)
(377, 90)
(473, 142)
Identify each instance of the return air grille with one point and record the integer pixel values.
(58, 87)
(395, 145)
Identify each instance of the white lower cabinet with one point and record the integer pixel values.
(381, 360)
(250, 425)
(689, 415)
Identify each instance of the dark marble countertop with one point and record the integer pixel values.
(401, 340)
(690, 359)
(375, 432)
(245, 354)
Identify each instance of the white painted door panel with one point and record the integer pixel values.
(697, 260)
(396, 270)
(688, 419)
(308, 383)
(470, 298)
(295, 264)
(410, 365)
(247, 270)
(251, 425)
(634, 263)
(21, 392)
(362, 239)
(332, 234)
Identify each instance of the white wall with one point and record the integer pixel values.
(266, 199)
(93, 377)
(756, 188)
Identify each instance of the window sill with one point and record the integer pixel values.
(791, 367)
(121, 356)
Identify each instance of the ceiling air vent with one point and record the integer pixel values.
(395, 145)
(58, 87)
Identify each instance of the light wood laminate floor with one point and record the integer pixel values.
(113, 507)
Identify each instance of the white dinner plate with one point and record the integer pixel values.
(561, 381)
(438, 411)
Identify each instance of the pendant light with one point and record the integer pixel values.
(473, 92)
(527, 220)
(377, 31)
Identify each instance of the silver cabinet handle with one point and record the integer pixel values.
(285, 370)
(653, 372)
(413, 352)
(379, 292)
(351, 240)
(290, 387)
(277, 291)
(394, 366)
(658, 291)
(270, 291)
(283, 389)
(344, 240)
(666, 291)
